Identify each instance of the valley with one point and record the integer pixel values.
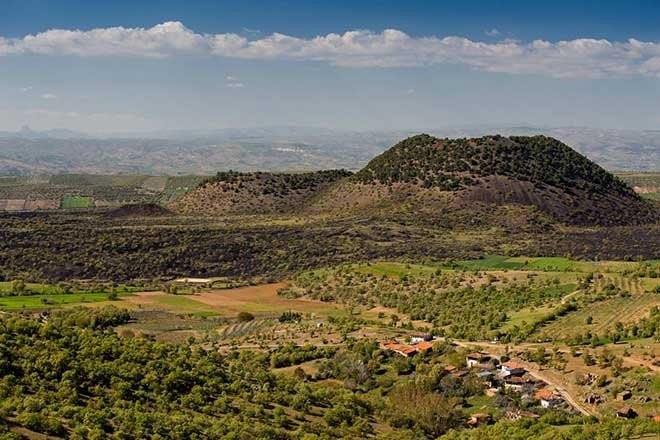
(458, 289)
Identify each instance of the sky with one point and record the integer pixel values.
(109, 66)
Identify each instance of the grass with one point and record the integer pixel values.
(490, 262)
(481, 404)
(52, 289)
(13, 303)
(183, 304)
(76, 202)
(38, 288)
(527, 315)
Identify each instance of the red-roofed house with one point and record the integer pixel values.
(548, 398)
(424, 345)
(513, 368)
(402, 349)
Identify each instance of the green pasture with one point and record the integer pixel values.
(14, 303)
(76, 202)
(6, 288)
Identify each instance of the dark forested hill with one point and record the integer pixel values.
(430, 174)
(452, 163)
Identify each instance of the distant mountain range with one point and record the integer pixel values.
(177, 152)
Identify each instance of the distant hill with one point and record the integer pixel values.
(470, 179)
(512, 181)
(255, 193)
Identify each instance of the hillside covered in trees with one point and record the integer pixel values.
(469, 175)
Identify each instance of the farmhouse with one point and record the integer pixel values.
(473, 359)
(513, 368)
(548, 398)
(402, 349)
(516, 383)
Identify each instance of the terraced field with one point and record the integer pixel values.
(605, 315)
(240, 329)
(76, 191)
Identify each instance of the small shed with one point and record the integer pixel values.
(626, 412)
(624, 395)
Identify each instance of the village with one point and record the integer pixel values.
(501, 375)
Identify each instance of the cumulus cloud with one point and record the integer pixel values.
(584, 57)
(25, 89)
(48, 96)
(492, 32)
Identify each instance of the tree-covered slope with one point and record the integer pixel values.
(451, 163)
(535, 171)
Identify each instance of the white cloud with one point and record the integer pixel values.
(584, 57)
(48, 96)
(492, 32)
(231, 78)
(25, 89)
(251, 31)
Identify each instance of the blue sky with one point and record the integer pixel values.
(336, 64)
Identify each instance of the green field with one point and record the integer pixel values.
(38, 288)
(12, 303)
(6, 288)
(76, 202)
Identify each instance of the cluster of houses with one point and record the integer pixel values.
(512, 376)
(509, 375)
